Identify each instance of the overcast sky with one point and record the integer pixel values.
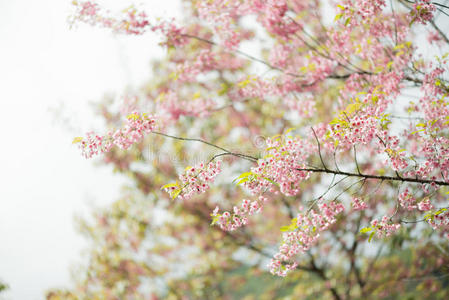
(46, 67)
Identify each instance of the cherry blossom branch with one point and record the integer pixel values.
(446, 39)
(434, 3)
(226, 152)
(420, 220)
(250, 57)
(378, 177)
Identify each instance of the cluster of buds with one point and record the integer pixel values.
(230, 222)
(137, 125)
(195, 180)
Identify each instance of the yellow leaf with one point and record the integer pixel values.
(169, 185)
(77, 140)
(176, 194)
(347, 21)
(133, 116)
(289, 130)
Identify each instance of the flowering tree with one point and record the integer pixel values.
(325, 151)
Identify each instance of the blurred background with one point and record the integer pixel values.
(51, 79)
(50, 75)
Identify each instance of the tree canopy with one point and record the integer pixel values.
(306, 139)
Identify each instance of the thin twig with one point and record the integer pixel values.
(244, 156)
(319, 148)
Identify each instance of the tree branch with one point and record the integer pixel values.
(227, 152)
(378, 177)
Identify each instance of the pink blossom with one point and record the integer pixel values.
(425, 205)
(136, 126)
(358, 204)
(384, 227)
(194, 180)
(307, 231)
(423, 11)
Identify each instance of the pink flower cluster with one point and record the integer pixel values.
(358, 204)
(205, 61)
(253, 87)
(423, 11)
(359, 130)
(175, 107)
(281, 165)
(440, 221)
(390, 145)
(360, 11)
(304, 107)
(305, 233)
(94, 144)
(231, 221)
(275, 20)
(369, 8)
(222, 14)
(406, 200)
(384, 228)
(131, 22)
(137, 125)
(425, 205)
(195, 180)
(279, 55)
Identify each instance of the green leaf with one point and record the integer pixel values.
(366, 229)
(271, 181)
(371, 236)
(244, 175)
(338, 17)
(428, 217)
(289, 130)
(439, 212)
(347, 21)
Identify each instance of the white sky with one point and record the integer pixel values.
(44, 180)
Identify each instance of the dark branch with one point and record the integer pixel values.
(378, 177)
